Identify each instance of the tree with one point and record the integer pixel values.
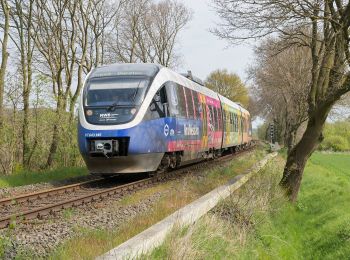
(5, 9)
(165, 21)
(281, 83)
(320, 25)
(55, 35)
(147, 31)
(229, 85)
(21, 16)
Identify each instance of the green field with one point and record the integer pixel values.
(317, 227)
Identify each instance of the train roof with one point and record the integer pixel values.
(227, 101)
(181, 79)
(151, 70)
(126, 69)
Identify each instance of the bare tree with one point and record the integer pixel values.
(21, 17)
(321, 25)
(129, 32)
(281, 85)
(55, 35)
(165, 21)
(5, 9)
(148, 32)
(101, 17)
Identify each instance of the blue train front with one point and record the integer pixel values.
(119, 130)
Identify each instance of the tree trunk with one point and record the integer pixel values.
(56, 133)
(25, 128)
(6, 12)
(290, 140)
(299, 155)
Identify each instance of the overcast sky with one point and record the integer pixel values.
(202, 51)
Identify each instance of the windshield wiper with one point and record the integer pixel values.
(113, 106)
(137, 90)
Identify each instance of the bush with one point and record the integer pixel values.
(335, 143)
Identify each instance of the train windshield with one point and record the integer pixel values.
(111, 101)
(116, 91)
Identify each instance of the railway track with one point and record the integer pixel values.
(38, 204)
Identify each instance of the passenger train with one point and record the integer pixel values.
(137, 118)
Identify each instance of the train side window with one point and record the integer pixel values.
(218, 110)
(217, 120)
(210, 115)
(182, 101)
(171, 91)
(234, 123)
(177, 99)
(214, 117)
(224, 117)
(189, 103)
(197, 105)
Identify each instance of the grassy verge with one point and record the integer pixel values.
(175, 194)
(258, 223)
(26, 178)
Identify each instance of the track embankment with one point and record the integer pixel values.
(155, 235)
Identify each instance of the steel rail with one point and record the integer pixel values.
(45, 193)
(93, 196)
(45, 210)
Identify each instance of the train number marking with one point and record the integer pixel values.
(93, 134)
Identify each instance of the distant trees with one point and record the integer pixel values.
(320, 25)
(55, 43)
(228, 85)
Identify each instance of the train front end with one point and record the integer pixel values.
(113, 137)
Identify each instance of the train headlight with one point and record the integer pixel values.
(133, 111)
(89, 112)
(99, 146)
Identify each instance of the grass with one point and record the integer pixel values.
(175, 194)
(263, 225)
(25, 178)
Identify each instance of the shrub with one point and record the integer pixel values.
(335, 143)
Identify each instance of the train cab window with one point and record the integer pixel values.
(159, 106)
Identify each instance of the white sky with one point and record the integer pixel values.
(202, 51)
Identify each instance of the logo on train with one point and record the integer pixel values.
(166, 130)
